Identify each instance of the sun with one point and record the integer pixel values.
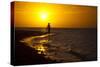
(43, 16)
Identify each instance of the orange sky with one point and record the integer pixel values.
(28, 14)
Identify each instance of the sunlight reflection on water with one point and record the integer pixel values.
(80, 42)
(40, 48)
(49, 49)
(37, 42)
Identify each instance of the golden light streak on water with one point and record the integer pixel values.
(41, 49)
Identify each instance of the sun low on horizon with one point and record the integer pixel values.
(28, 14)
(43, 16)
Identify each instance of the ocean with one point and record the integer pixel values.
(67, 45)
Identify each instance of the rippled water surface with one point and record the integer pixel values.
(65, 45)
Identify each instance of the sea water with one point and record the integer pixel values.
(68, 45)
